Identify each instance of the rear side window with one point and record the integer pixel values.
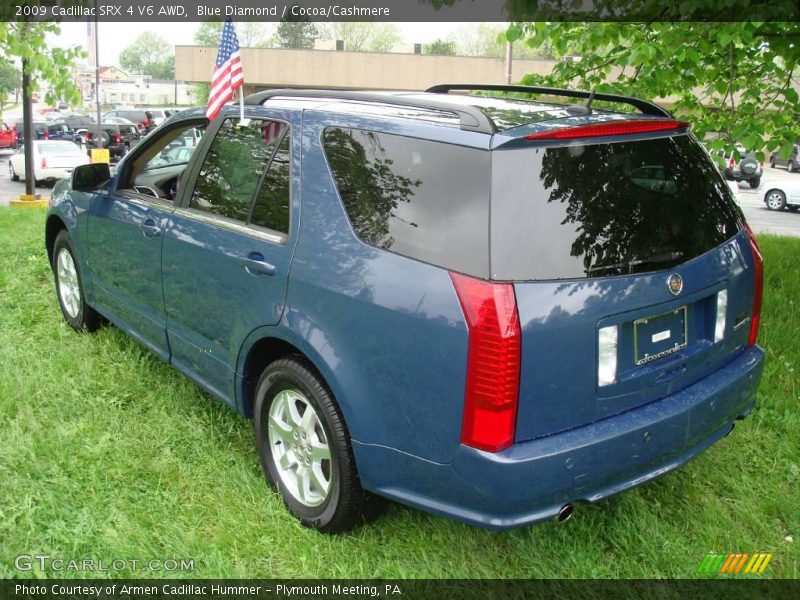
(422, 199)
(606, 209)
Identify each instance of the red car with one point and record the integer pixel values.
(8, 136)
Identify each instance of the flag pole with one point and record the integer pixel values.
(241, 104)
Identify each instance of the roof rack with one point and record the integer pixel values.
(470, 117)
(645, 107)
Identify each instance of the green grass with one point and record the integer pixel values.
(107, 452)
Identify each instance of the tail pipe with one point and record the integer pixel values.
(565, 513)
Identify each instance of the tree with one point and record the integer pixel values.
(735, 82)
(149, 54)
(441, 47)
(299, 33)
(489, 39)
(249, 34)
(364, 37)
(9, 80)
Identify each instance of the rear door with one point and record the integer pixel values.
(227, 252)
(624, 256)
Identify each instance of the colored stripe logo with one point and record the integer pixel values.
(734, 563)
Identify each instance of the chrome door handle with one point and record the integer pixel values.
(150, 228)
(255, 265)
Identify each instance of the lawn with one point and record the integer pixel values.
(109, 453)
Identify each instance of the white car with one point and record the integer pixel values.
(51, 160)
(783, 195)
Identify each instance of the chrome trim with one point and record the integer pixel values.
(251, 230)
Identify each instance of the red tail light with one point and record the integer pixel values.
(731, 163)
(117, 139)
(44, 163)
(611, 128)
(493, 362)
(758, 287)
(46, 134)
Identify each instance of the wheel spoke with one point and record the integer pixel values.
(280, 429)
(287, 460)
(309, 420)
(303, 483)
(320, 451)
(318, 480)
(291, 406)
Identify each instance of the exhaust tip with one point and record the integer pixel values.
(565, 513)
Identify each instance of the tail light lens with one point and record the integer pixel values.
(758, 287)
(722, 310)
(607, 343)
(493, 362)
(627, 127)
(46, 134)
(731, 163)
(44, 163)
(117, 138)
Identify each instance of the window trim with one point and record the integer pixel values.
(183, 207)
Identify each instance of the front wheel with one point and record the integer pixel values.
(305, 448)
(69, 288)
(776, 200)
(790, 166)
(772, 162)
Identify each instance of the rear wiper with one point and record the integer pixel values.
(650, 260)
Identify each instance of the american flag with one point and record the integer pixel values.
(228, 74)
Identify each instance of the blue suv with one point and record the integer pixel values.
(484, 306)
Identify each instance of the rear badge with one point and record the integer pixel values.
(675, 284)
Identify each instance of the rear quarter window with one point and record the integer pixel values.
(418, 198)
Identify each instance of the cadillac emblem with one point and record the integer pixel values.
(675, 284)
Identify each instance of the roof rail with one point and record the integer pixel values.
(470, 117)
(645, 107)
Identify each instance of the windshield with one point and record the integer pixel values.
(606, 209)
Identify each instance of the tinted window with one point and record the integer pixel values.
(422, 199)
(233, 167)
(271, 208)
(606, 209)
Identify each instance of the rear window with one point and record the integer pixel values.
(59, 149)
(606, 209)
(422, 199)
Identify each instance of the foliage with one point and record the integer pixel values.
(10, 80)
(733, 81)
(149, 54)
(441, 47)
(489, 40)
(298, 33)
(109, 452)
(249, 33)
(49, 67)
(363, 36)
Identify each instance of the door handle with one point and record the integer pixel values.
(150, 228)
(255, 265)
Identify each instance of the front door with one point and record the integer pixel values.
(228, 248)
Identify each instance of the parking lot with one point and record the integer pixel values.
(751, 201)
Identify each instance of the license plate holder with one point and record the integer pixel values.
(659, 335)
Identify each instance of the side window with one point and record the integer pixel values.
(176, 149)
(235, 167)
(271, 207)
(419, 198)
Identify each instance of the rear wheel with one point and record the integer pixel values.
(69, 288)
(776, 200)
(12, 174)
(790, 166)
(772, 161)
(755, 182)
(305, 448)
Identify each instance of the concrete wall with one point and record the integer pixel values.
(265, 67)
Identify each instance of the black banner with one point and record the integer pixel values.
(400, 10)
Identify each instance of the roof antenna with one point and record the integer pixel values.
(589, 103)
(582, 110)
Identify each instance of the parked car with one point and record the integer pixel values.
(142, 119)
(157, 115)
(8, 137)
(51, 160)
(597, 332)
(783, 195)
(791, 162)
(742, 166)
(119, 139)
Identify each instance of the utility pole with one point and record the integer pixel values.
(27, 131)
(98, 138)
(508, 63)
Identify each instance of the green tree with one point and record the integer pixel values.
(298, 33)
(363, 36)
(441, 47)
(149, 54)
(735, 82)
(9, 80)
(249, 34)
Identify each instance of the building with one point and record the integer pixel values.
(119, 87)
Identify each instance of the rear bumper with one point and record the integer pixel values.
(531, 481)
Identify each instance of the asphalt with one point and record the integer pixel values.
(760, 218)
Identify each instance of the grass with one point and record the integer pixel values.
(109, 453)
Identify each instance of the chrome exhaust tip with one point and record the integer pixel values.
(565, 513)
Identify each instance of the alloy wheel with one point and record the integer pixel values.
(68, 288)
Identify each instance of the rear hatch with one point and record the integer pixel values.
(632, 272)
(61, 155)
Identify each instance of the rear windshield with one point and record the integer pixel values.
(59, 149)
(606, 209)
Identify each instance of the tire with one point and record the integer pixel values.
(794, 208)
(333, 500)
(772, 161)
(754, 182)
(12, 174)
(790, 166)
(69, 287)
(775, 200)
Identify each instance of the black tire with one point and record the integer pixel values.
(772, 161)
(12, 174)
(755, 182)
(775, 200)
(790, 166)
(85, 318)
(794, 208)
(346, 504)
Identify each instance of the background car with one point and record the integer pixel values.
(8, 137)
(783, 195)
(742, 165)
(51, 160)
(791, 162)
(119, 139)
(158, 115)
(142, 119)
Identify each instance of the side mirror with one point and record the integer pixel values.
(89, 178)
